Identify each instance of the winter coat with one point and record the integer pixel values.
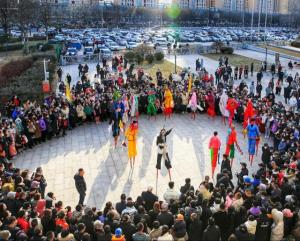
(195, 230)
(277, 231)
(212, 233)
(80, 183)
(179, 229)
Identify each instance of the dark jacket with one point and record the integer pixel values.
(212, 233)
(179, 229)
(120, 206)
(165, 218)
(149, 198)
(80, 183)
(128, 230)
(243, 235)
(195, 231)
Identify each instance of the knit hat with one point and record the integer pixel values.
(287, 213)
(118, 232)
(11, 195)
(98, 225)
(35, 184)
(5, 234)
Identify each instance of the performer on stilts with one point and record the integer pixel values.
(116, 125)
(231, 142)
(253, 136)
(210, 99)
(214, 146)
(131, 136)
(151, 107)
(193, 105)
(248, 115)
(161, 142)
(231, 106)
(222, 106)
(134, 106)
(168, 103)
(126, 110)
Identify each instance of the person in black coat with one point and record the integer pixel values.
(242, 234)
(263, 227)
(120, 206)
(165, 217)
(222, 220)
(186, 187)
(179, 228)
(195, 231)
(127, 227)
(149, 199)
(225, 165)
(266, 154)
(80, 185)
(212, 232)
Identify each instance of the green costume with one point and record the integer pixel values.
(151, 108)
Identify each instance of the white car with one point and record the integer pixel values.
(131, 45)
(88, 50)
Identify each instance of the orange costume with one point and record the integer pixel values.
(168, 102)
(131, 135)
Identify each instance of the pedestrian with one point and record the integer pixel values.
(59, 74)
(252, 68)
(80, 185)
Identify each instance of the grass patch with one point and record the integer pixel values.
(236, 60)
(165, 66)
(282, 50)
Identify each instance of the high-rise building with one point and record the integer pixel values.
(137, 3)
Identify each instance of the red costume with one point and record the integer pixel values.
(248, 113)
(214, 146)
(232, 105)
(211, 105)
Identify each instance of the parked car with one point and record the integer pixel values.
(88, 50)
(131, 45)
(71, 52)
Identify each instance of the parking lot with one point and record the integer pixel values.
(87, 42)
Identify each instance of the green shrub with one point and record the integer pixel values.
(11, 47)
(296, 44)
(226, 50)
(159, 56)
(139, 58)
(150, 58)
(129, 56)
(47, 47)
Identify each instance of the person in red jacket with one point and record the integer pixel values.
(22, 221)
(61, 221)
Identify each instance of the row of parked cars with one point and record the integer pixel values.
(91, 41)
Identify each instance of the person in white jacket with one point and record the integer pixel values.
(171, 193)
(278, 225)
(251, 224)
(165, 235)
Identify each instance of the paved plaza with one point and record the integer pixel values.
(107, 169)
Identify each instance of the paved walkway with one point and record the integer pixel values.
(107, 169)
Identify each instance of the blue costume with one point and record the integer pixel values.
(253, 134)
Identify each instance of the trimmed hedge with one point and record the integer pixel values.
(226, 50)
(129, 56)
(296, 44)
(47, 47)
(159, 56)
(149, 58)
(11, 47)
(139, 58)
(14, 68)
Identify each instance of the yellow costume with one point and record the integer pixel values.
(168, 102)
(131, 135)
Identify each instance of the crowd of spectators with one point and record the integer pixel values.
(263, 205)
